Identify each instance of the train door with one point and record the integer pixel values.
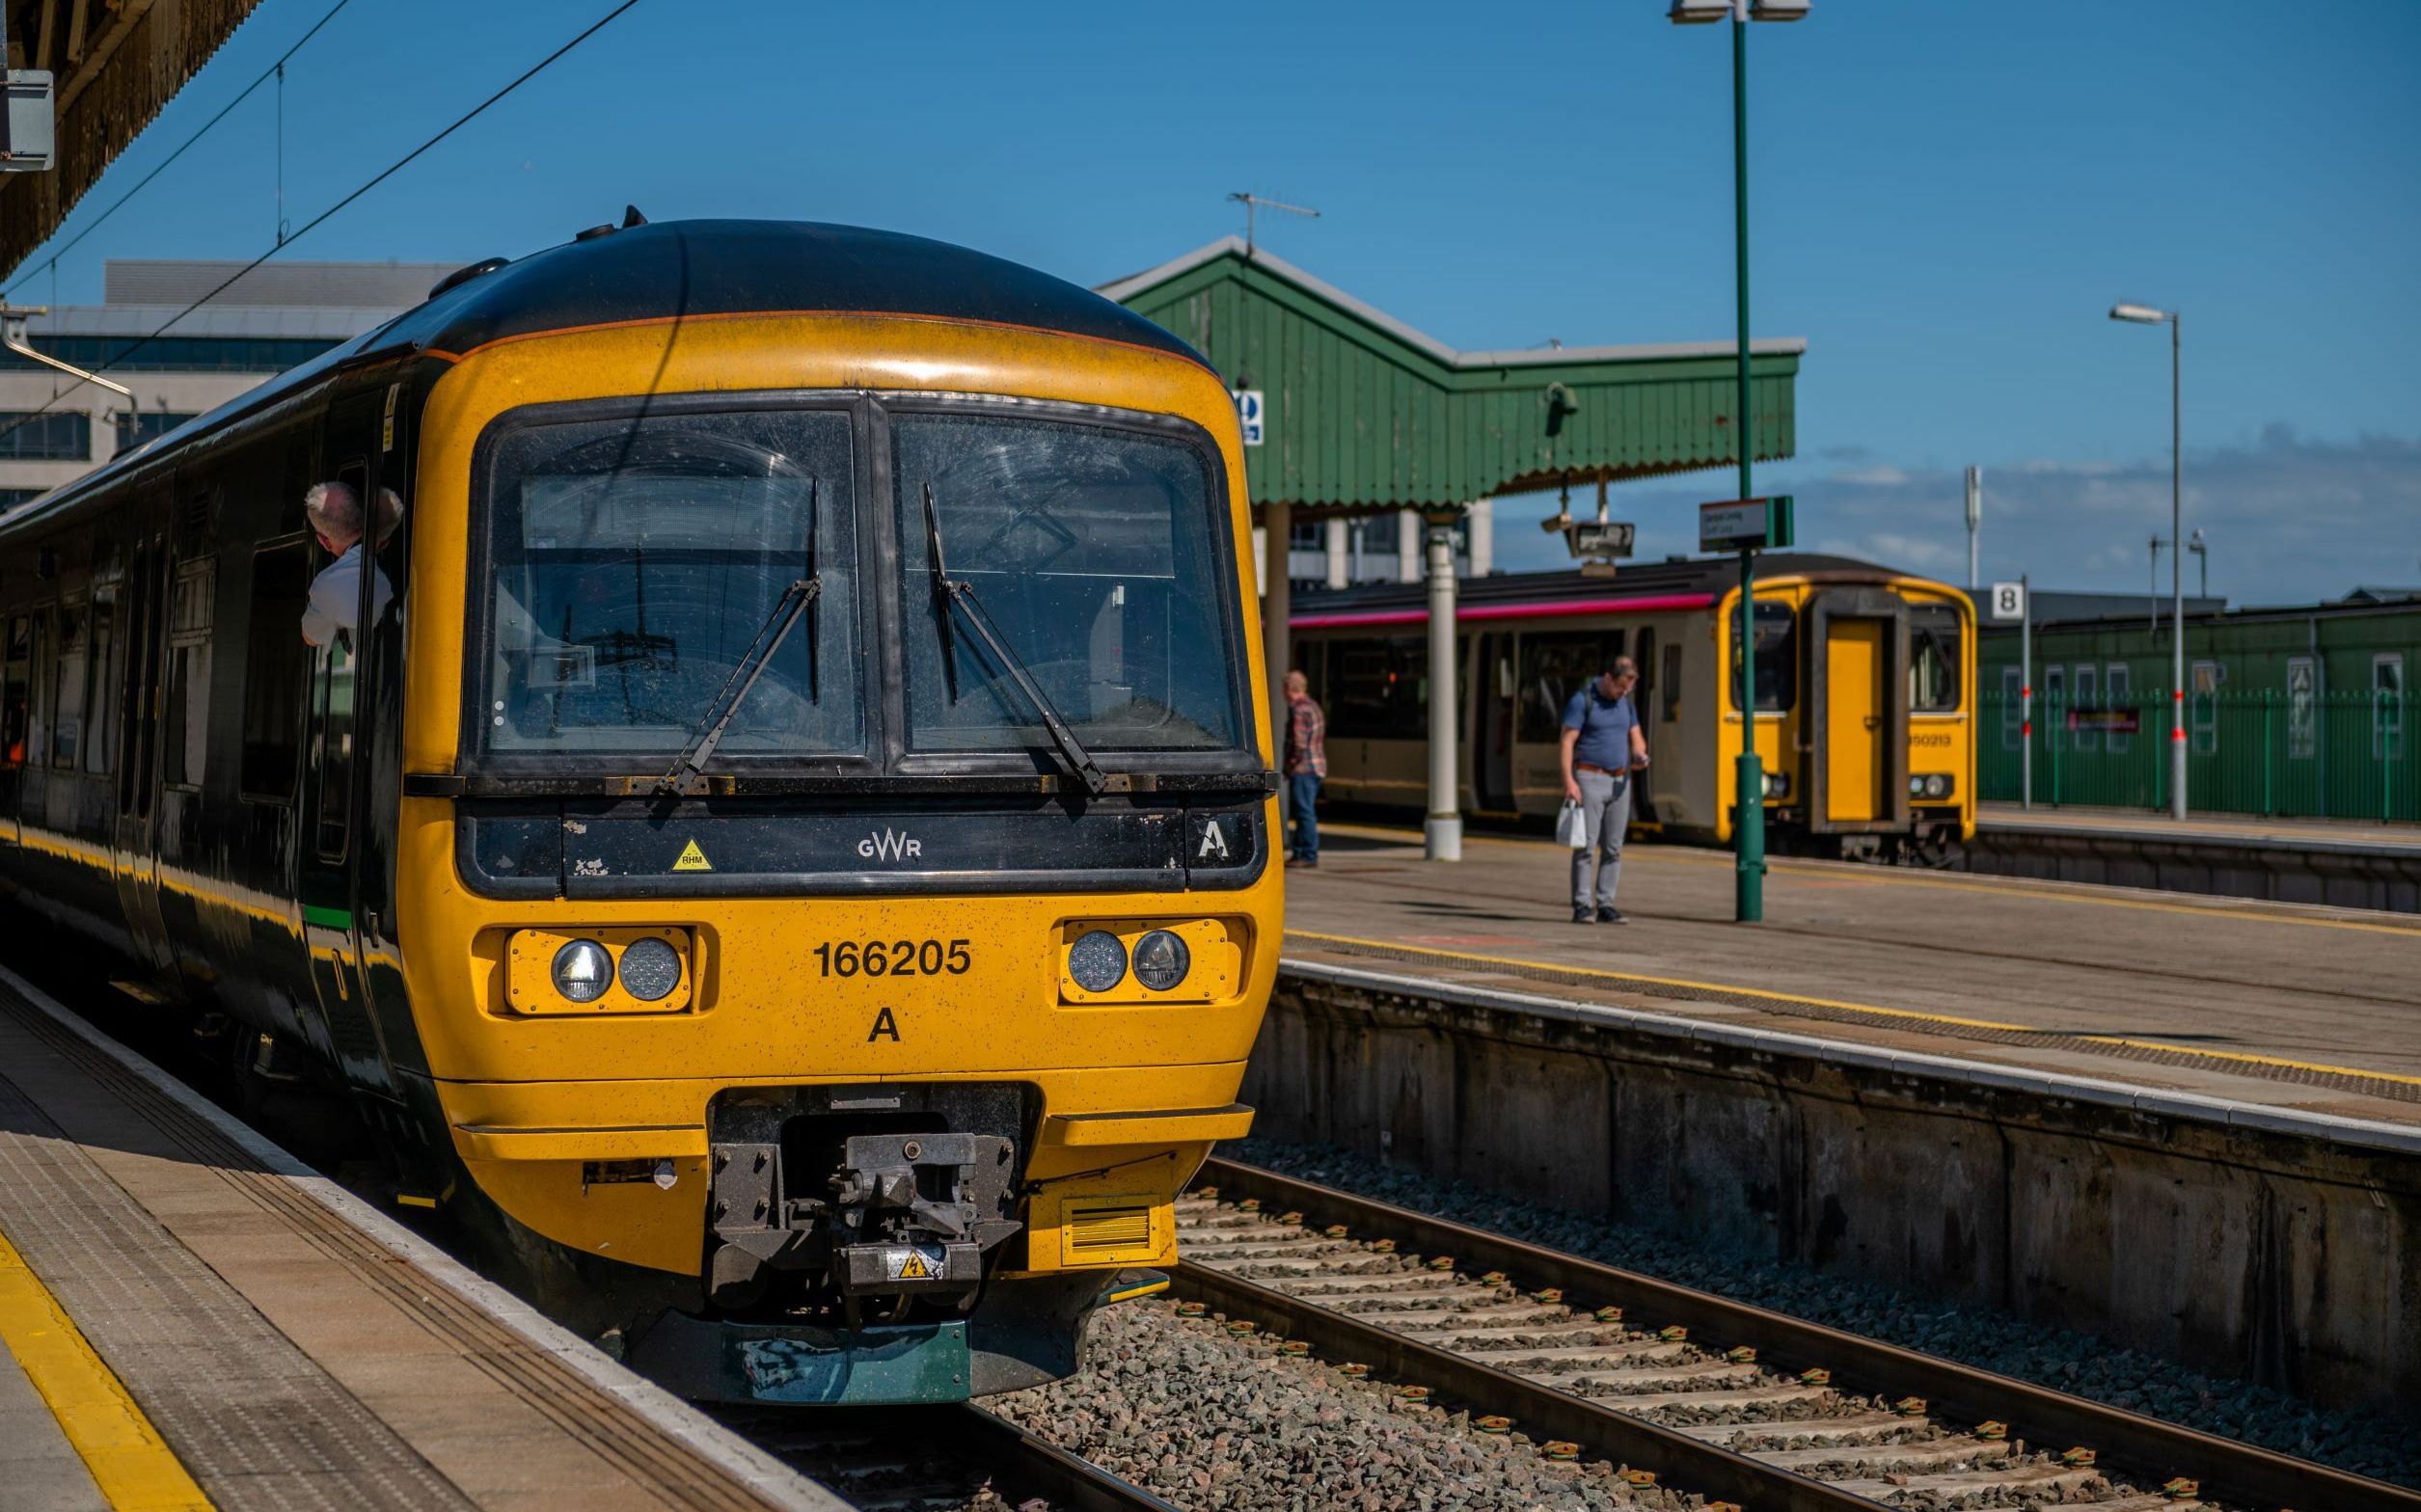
(1858, 655)
(325, 826)
(1492, 725)
(135, 839)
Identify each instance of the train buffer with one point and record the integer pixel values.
(2302, 1008)
(189, 1319)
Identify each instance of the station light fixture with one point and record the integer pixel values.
(2141, 314)
(1698, 13)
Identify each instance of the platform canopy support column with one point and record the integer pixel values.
(1444, 829)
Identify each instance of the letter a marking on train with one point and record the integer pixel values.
(693, 859)
(885, 1027)
(1213, 841)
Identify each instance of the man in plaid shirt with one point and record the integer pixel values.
(1306, 763)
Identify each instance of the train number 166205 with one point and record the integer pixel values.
(893, 958)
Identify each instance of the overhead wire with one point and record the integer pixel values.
(372, 182)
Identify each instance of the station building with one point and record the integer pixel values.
(54, 429)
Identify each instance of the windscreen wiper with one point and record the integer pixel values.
(780, 621)
(950, 594)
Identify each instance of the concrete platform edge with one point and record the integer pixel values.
(2358, 1132)
(678, 1419)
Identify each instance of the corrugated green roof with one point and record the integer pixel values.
(1364, 412)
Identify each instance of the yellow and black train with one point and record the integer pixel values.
(750, 772)
(1866, 696)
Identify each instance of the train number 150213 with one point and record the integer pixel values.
(893, 958)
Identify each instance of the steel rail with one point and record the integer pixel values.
(1036, 1467)
(2147, 1447)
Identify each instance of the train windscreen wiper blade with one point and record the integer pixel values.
(780, 621)
(951, 595)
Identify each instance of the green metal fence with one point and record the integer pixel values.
(2324, 756)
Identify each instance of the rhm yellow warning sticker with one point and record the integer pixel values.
(913, 1266)
(693, 859)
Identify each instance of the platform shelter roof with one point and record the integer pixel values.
(1362, 412)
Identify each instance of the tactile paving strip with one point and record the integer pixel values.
(255, 1420)
(672, 1471)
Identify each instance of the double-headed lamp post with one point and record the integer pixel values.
(1748, 830)
(2146, 315)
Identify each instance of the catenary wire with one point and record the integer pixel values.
(381, 176)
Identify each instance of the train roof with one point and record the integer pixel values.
(1699, 577)
(685, 270)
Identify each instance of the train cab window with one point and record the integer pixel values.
(1933, 658)
(1777, 658)
(1553, 669)
(1091, 561)
(277, 671)
(636, 564)
(16, 689)
(66, 684)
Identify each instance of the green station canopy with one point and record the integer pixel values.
(1362, 413)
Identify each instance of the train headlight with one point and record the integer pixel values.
(583, 971)
(1161, 961)
(1096, 961)
(650, 969)
(1776, 784)
(1938, 785)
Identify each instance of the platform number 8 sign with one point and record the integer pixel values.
(2008, 600)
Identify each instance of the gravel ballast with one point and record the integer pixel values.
(1216, 1424)
(2367, 1444)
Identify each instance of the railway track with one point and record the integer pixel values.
(1713, 1396)
(926, 1459)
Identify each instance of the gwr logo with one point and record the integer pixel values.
(885, 846)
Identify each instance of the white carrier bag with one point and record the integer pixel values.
(1571, 826)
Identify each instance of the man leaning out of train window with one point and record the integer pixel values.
(1603, 744)
(333, 603)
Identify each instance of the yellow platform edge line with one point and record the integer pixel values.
(1919, 1015)
(2249, 909)
(132, 1464)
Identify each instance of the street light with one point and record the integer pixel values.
(2146, 316)
(1748, 834)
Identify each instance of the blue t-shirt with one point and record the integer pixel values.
(1605, 726)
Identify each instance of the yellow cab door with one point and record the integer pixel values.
(1856, 660)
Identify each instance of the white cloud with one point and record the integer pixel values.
(1883, 476)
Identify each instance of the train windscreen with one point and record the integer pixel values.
(636, 561)
(1090, 552)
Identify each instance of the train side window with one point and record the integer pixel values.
(2012, 707)
(17, 689)
(1669, 688)
(1777, 660)
(1381, 688)
(276, 672)
(2054, 704)
(2302, 709)
(1553, 669)
(100, 700)
(67, 685)
(1933, 658)
(2087, 721)
(186, 710)
(2117, 695)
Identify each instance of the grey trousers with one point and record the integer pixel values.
(1605, 803)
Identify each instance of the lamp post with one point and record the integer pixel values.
(2146, 315)
(1748, 830)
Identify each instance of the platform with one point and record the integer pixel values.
(190, 1318)
(2340, 862)
(2270, 1004)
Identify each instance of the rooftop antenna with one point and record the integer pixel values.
(1252, 202)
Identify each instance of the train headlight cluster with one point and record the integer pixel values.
(583, 971)
(1151, 961)
(1936, 785)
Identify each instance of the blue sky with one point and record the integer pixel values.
(1946, 199)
